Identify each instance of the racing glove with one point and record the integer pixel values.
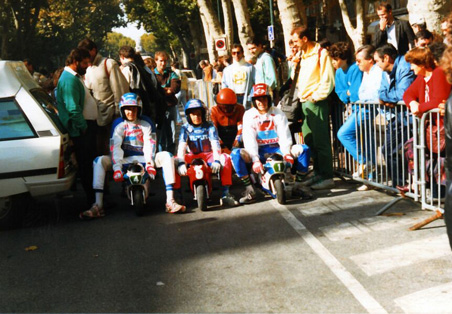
(182, 169)
(216, 166)
(151, 171)
(258, 167)
(118, 176)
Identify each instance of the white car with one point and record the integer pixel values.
(35, 158)
(189, 74)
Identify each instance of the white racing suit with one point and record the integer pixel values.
(132, 141)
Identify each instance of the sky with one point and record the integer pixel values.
(131, 31)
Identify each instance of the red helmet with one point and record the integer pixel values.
(226, 96)
(226, 101)
(260, 90)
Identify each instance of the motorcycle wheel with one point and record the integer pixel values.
(201, 197)
(138, 201)
(280, 193)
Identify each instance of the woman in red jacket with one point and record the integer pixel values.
(430, 88)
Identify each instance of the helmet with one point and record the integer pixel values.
(260, 90)
(130, 100)
(193, 104)
(228, 99)
(226, 96)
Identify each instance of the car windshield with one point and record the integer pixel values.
(189, 74)
(13, 123)
(49, 106)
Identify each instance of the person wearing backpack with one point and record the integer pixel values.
(314, 86)
(107, 83)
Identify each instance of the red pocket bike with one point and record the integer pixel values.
(200, 177)
(137, 180)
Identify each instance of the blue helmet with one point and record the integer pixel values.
(193, 104)
(130, 100)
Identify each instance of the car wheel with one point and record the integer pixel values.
(12, 209)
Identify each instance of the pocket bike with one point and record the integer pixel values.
(272, 179)
(200, 178)
(137, 180)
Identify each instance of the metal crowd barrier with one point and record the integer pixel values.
(392, 151)
(201, 90)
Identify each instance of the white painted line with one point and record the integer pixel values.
(433, 300)
(350, 282)
(383, 260)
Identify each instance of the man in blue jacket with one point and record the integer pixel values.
(396, 78)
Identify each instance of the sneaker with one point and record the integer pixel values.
(228, 200)
(173, 207)
(302, 193)
(93, 212)
(310, 181)
(248, 197)
(364, 172)
(323, 185)
(365, 187)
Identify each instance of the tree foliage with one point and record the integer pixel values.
(114, 42)
(167, 20)
(46, 30)
(148, 42)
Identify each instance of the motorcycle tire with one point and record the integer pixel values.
(201, 197)
(280, 193)
(138, 201)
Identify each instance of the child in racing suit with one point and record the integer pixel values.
(202, 140)
(266, 131)
(227, 116)
(133, 139)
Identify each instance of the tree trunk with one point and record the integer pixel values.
(209, 40)
(228, 22)
(432, 11)
(195, 30)
(242, 17)
(357, 34)
(292, 14)
(212, 27)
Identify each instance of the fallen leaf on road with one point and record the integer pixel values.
(159, 283)
(31, 248)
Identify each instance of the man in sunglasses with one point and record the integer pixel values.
(239, 76)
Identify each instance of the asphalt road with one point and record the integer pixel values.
(329, 255)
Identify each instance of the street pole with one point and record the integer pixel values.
(271, 19)
(219, 12)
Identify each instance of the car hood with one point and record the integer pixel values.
(14, 75)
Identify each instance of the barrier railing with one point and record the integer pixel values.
(201, 90)
(387, 148)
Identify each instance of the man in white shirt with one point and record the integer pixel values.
(239, 76)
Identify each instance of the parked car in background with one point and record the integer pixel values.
(189, 74)
(35, 156)
(188, 82)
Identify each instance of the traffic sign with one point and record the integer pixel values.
(220, 44)
(271, 33)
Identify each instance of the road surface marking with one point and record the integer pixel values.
(387, 259)
(350, 282)
(433, 300)
(346, 230)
